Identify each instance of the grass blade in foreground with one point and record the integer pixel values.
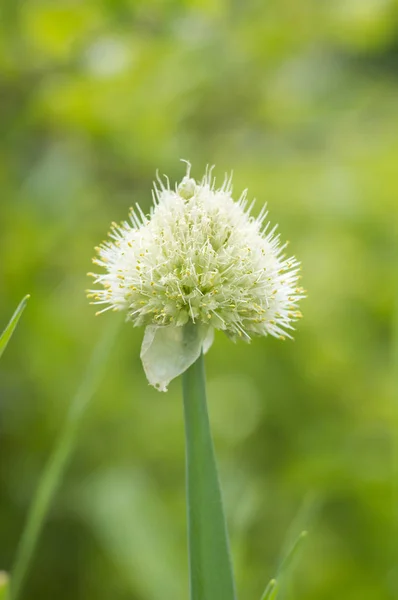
(57, 462)
(9, 330)
(211, 576)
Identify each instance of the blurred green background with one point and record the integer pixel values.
(300, 99)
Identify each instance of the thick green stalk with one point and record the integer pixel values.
(211, 576)
(58, 461)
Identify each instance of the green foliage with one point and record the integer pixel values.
(274, 585)
(271, 590)
(58, 460)
(300, 100)
(9, 330)
(3, 585)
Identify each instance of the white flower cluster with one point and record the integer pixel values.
(198, 258)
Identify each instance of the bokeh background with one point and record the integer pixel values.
(300, 99)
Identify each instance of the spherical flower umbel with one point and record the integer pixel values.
(198, 262)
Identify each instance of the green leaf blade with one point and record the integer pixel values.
(274, 585)
(292, 554)
(9, 330)
(271, 590)
(4, 580)
(211, 576)
(58, 460)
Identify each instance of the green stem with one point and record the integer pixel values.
(211, 576)
(58, 461)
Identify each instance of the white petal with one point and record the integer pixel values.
(166, 352)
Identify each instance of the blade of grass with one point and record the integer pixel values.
(3, 585)
(9, 330)
(305, 516)
(271, 590)
(291, 555)
(211, 576)
(58, 460)
(273, 587)
(394, 429)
